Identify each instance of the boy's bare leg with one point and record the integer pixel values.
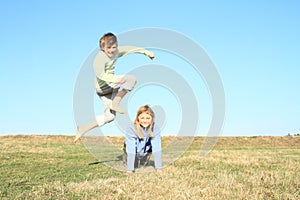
(108, 115)
(115, 105)
(99, 121)
(81, 130)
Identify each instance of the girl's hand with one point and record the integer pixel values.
(129, 172)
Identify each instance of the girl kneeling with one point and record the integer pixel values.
(142, 139)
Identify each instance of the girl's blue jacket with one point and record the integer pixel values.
(140, 147)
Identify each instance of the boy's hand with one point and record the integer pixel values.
(151, 55)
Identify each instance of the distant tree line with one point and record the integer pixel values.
(296, 134)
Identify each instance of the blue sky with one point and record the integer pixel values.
(253, 44)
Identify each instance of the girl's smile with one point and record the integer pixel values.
(145, 119)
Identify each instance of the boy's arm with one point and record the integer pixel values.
(124, 50)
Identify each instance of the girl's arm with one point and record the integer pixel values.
(130, 140)
(156, 147)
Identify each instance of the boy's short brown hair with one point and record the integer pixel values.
(107, 39)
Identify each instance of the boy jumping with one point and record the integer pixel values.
(109, 87)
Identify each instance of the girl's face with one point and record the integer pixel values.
(110, 50)
(145, 119)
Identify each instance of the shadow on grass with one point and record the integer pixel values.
(121, 158)
(118, 159)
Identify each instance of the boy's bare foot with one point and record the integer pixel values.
(117, 108)
(115, 104)
(79, 134)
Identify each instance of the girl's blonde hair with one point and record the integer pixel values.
(144, 109)
(107, 39)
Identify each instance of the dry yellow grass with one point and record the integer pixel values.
(237, 168)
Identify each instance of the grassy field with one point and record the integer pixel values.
(53, 167)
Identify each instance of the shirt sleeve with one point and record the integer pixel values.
(130, 140)
(124, 50)
(156, 147)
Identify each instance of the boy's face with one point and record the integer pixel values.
(145, 119)
(110, 50)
